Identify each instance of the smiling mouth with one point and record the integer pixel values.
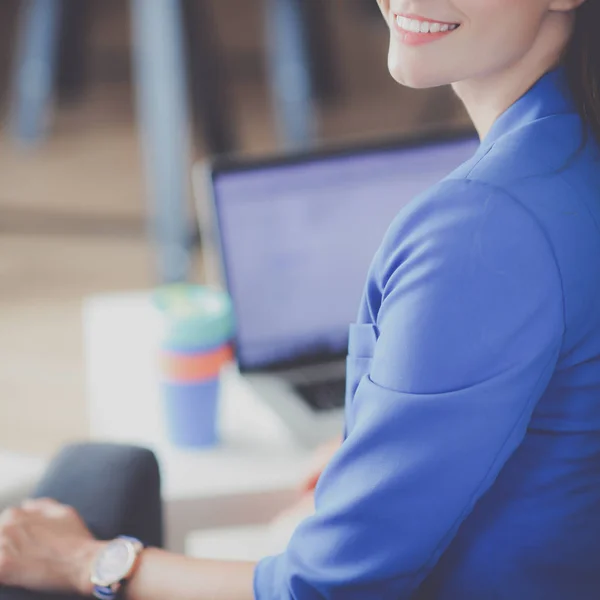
(414, 25)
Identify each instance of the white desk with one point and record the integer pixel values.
(245, 480)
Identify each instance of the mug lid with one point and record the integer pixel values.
(195, 316)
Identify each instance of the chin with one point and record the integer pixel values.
(416, 83)
(415, 75)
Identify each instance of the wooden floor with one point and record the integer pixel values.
(72, 212)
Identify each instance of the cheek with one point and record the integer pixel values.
(481, 11)
(384, 6)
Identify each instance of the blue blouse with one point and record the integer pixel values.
(471, 464)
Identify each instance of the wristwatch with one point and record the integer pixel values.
(114, 565)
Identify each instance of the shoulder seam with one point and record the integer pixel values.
(467, 177)
(541, 229)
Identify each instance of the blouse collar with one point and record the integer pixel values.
(548, 96)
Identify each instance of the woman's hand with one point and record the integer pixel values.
(286, 522)
(284, 525)
(321, 458)
(45, 546)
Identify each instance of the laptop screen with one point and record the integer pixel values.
(297, 239)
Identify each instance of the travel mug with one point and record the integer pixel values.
(196, 344)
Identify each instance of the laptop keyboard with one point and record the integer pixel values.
(323, 395)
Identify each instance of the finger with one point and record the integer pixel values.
(304, 506)
(310, 482)
(10, 516)
(310, 478)
(317, 465)
(45, 507)
(39, 504)
(42, 502)
(294, 515)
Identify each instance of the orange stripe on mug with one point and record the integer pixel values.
(182, 368)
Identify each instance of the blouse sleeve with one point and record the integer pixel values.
(467, 307)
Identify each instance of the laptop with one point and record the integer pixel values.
(294, 237)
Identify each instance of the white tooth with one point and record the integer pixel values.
(434, 28)
(415, 26)
(425, 27)
(405, 23)
(453, 27)
(399, 21)
(444, 28)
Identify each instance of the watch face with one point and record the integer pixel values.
(114, 562)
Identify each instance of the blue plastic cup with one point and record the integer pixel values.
(190, 412)
(196, 345)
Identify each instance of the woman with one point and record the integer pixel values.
(471, 464)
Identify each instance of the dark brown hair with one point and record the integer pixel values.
(582, 61)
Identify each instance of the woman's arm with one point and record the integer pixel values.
(164, 575)
(458, 338)
(218, 580)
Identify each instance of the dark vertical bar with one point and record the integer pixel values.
(210, 103)
(72, 50)
(317, 16)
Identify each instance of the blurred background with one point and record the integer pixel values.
(91, 174)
